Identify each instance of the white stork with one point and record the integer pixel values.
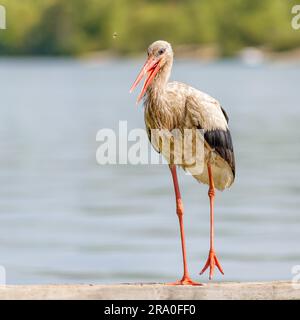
(175, 105)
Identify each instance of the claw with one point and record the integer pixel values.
(211, 262)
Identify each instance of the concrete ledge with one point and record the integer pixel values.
(281, 290)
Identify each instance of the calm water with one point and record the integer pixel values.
(63, 218)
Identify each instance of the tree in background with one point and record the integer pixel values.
(74, 27)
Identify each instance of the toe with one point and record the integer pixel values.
(211, 262)
(185, 281)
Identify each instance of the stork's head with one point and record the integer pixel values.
(160, 55)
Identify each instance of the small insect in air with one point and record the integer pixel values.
(115, 35)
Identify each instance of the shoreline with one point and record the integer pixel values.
(248, 55)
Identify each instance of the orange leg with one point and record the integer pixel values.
(212, 260)
(186, 280)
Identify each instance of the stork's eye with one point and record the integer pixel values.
(161, 51)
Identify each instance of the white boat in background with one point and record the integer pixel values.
(252, 56)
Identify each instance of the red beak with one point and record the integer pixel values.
(151, 67)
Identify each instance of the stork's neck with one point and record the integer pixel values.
(158, 85)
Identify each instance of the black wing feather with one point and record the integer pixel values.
(221, 142)
(225, 115)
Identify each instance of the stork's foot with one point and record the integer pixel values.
(211, 262)
(185, 281)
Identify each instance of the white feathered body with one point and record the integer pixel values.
(175, 105)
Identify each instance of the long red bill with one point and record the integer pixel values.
(151, 67)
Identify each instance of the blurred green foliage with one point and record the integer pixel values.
(72, 27)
